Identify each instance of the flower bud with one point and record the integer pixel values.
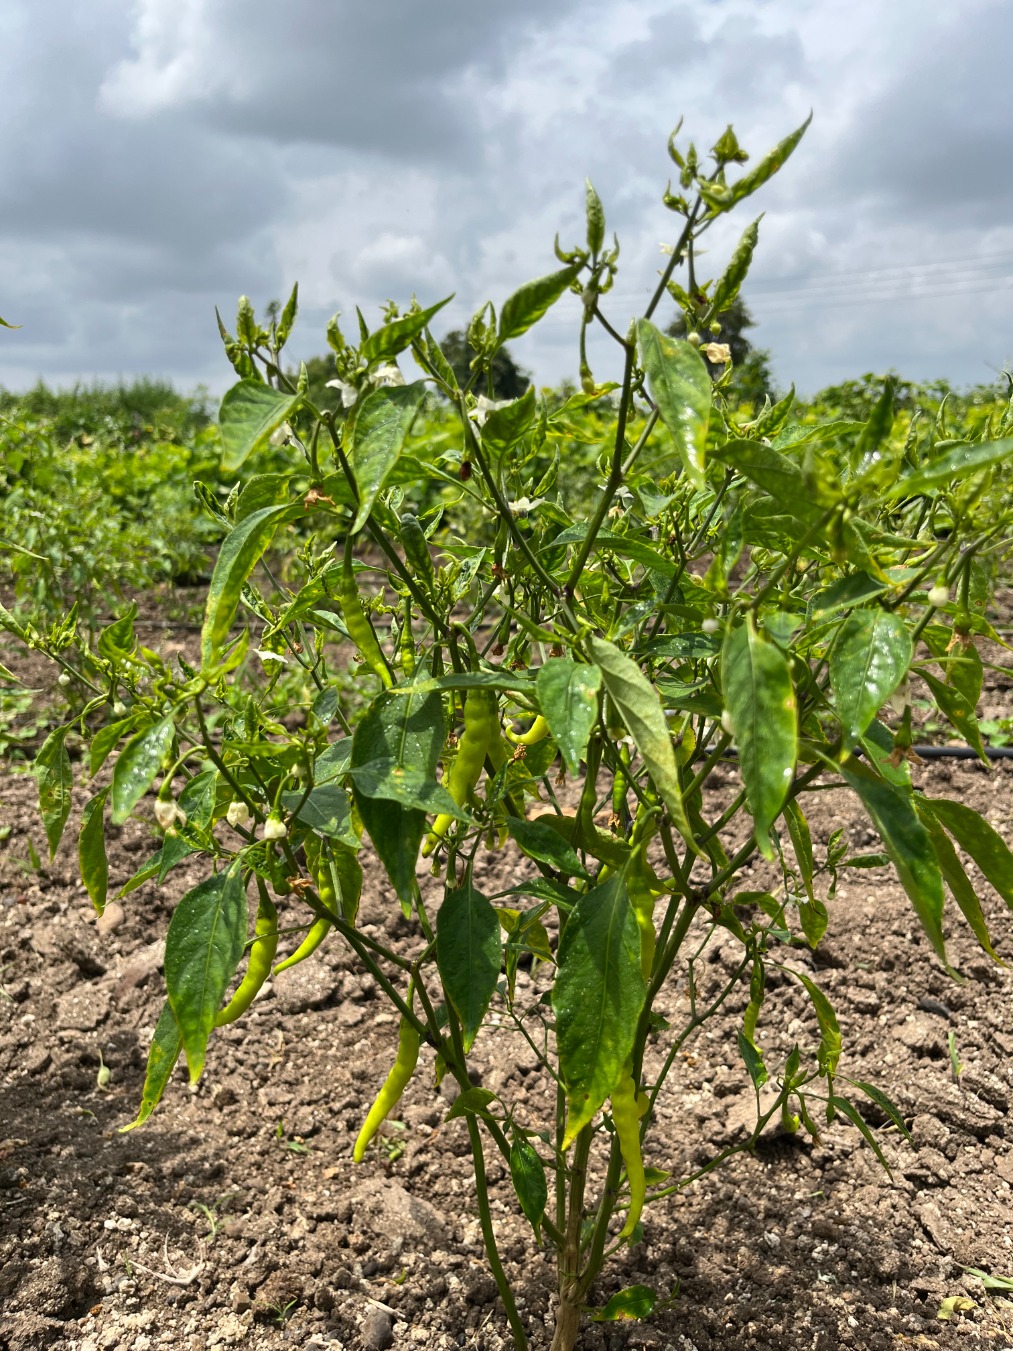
(726, 722)
(275, 828)
(239, 815)
(710, 625)
(63, 679)
(167, 814)
(939, 595)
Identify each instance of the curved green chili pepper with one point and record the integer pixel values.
(538, 731)
(481, 738)
(360, 630)
(394, 1085)
(627, 1108)
(258, 968)
(320, 927)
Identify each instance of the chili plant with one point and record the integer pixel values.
(762, 591)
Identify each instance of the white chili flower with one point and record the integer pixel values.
(939, 595)
(239, 815)
(483, 407)
(283, 435)
(349, 394)
(386, 375)
(275, 828)
(265, 654)
(719, 353)
(525, 504)
(167, 814)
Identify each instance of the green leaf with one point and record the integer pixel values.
(852, 1113)
(720, 197)
(878, 746)
(988, 1281)
(636, 1301)
(875, 432)
(977, 838)
(472, 1102)
(680, 386)
(597, 998)
(639, 706)
(829, 1051)
(802, 843)
(844, 594)
(526, 306)
(392, 782)
(956, 710)
(138, 763)
(626, 546)
(251, 413)
(469, 954)
(387, 342)
(753, 1058)
(55, 782)
(5, 324)
(778, 476)
(505, 427)
(956, 464)
(527, 1172)
(117, 641)
(203, 947)
(163, 1053)
(884, 1104)
(409, 731)
(867, 663)
(91, 850)
(238, 556)
(760, 699)
(105, 739)
(382, 424)
(546, 845)
(906, 841)
(326, 810)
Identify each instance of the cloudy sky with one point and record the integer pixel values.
(162, 157)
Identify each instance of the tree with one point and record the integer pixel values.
(508, 380)
(752, 380)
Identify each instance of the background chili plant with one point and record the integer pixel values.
(749, 586)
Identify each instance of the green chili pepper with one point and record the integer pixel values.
(258, 968)
(416, 548)
(538, 731)
(360, 630)
(320, 927)
(406, 642)
(627, 1108)
(394, 1085)
(481, 738)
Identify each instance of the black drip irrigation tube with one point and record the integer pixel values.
(929, 752)
(962, 752)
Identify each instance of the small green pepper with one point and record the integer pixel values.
(416, 549)
(481, 738)
(394, 1085)
(360, 630)
(627, 1109)
(320, 927)
(258, 968)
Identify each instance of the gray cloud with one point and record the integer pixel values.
(164, 156)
